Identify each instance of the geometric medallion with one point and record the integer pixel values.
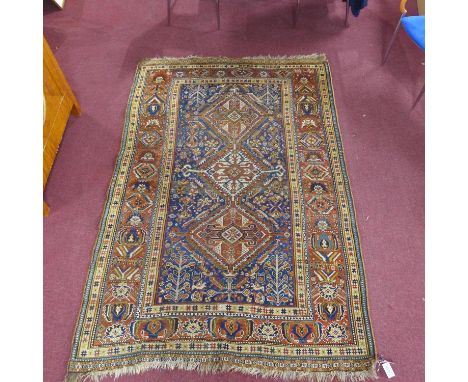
(233, 172)
(234, 113)
(231, 239)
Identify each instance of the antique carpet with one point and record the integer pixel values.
(228, 239)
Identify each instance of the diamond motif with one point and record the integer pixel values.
(233, 172)
(231, 234)
(315, 172)
(139, 202)
(235, 113)
(231, 238)
(145, 170)
(234, 116)
(311, 140)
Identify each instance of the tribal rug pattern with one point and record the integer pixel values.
(228, 240)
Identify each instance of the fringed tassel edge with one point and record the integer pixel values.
(207, 368)
(306, 58)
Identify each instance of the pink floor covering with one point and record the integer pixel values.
(98, 45)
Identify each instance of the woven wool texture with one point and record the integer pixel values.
(228, 240)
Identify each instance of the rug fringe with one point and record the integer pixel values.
(305, 58)
(207, 368)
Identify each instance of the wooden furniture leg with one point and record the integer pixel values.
(58, 102)
(45, 209)
(421, 93)
(392, 40)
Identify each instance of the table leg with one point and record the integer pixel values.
(421, 93)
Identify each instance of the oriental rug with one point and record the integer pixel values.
(228, 240)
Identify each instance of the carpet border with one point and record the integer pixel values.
(207, 367)
(350, 196)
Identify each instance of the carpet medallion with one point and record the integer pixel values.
(228, 240)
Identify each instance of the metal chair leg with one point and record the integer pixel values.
(421, 93)
(395, 33)
(218, 13)
(296, 13)
(169, 12)
(346, 23)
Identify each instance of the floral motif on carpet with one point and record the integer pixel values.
(228, 239)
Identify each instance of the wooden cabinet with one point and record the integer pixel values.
(59, 102)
